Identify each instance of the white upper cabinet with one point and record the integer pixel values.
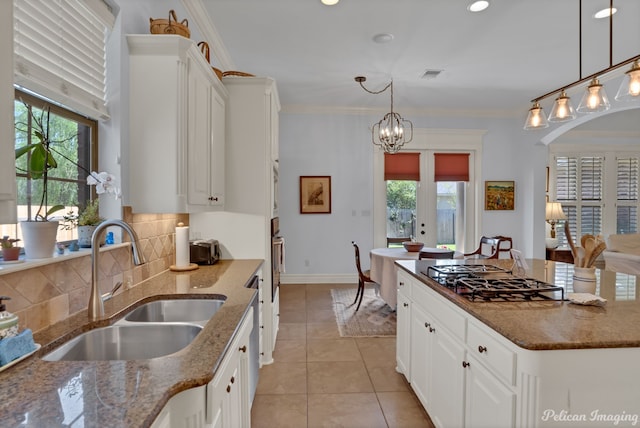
(252, 145)
(177, 127)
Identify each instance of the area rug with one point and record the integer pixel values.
(374, 318)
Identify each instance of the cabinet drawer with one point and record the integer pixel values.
(404, 283)
(441, 309)
(488, 349)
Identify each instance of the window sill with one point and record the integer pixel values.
(22, 264)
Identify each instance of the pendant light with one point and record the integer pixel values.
(392, 131)
(594, 99)
(630, 86)
(562, 110)
(536, 118)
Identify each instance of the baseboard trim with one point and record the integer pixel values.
(319, 279)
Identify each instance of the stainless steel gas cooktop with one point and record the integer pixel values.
(489, 283)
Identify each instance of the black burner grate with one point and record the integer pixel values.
(491, 283)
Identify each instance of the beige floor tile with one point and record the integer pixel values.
(282, 378)
(292, 331)
(403, 410)
(320, 315)
(377, 351)
(290, 351)
(356, 410)
(325, 330)
(386, 378)
(333, 350)
(282, 411)
(337, 377)
(293, 315)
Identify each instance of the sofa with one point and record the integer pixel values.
(623, 253)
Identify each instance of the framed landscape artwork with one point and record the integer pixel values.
(315, 194)
(499, 195)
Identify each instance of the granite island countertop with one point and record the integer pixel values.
(126, 393)
(553, 325)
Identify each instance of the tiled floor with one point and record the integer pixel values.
(319, 379)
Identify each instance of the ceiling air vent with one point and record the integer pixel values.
(431, 74)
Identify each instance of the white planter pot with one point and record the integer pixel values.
(84, 236)
(39, 238)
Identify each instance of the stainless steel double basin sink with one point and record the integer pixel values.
(155, 329)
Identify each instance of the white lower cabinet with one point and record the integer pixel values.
(488, 402)
(223, 402)
(455, 388)
(186, 409)
(228, 402)
(403, 338)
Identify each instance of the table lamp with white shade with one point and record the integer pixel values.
(553, 215)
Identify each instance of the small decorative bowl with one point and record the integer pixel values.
(412, 247)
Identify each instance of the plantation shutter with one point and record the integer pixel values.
(566, 178)
(451, 167)
(579, 187)
(59, 51)
(627, 195)
(402, 166)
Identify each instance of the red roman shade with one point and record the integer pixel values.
(451, 167)
(402, 166)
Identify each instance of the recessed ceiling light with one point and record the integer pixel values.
(605, 13)
(478, 6)
(383, 38)
(329, 2)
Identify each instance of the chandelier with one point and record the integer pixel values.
(392, 131)
(594, 99)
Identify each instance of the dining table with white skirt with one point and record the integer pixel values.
(383, 268)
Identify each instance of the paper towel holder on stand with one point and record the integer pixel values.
(187, 266)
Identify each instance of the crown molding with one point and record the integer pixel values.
(198, 13)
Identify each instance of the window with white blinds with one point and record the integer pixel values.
(627, 195)
(579, 188)
(581, 184)
(59, 51)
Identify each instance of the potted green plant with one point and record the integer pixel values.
(9, 252)
(39, 232)
(88, 220)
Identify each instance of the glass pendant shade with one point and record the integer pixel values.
(594, 99)
(562, 110)
(630, 86)
(536, 119)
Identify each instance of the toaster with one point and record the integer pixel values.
(204, 252)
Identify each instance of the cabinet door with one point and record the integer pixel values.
(421, 359)
(403, 336)
(488, 401)
(447, 376)
(199, 136)
(217, 162)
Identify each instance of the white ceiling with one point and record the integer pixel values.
(499, 59)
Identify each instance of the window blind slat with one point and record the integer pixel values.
(59, 48)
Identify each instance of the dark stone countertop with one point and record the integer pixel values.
(126, 393)
(548, 325)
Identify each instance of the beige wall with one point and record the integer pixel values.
(46, 294)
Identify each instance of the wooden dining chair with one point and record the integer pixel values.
(426, 254)
(363, 278)
(396, 241)
(504, 247)
(489, 248)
